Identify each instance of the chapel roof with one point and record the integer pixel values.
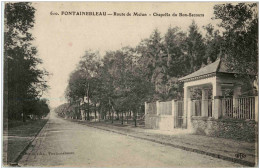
(209, 70)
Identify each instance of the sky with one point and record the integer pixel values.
(62, 39)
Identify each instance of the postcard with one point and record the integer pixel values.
(130, 84)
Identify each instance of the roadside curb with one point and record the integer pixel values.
(219, 156)
(14, 163)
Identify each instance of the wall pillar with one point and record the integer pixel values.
(256, 109)
(187, 108)
(217, 107)
(147, 120)
(146, 108)
(174, 107)
(204, 103)
(216, 103)
(174, 112)
(157, 107)
(189, 112)
(82, 115)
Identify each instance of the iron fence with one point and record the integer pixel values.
(165, 108)
(240, 108)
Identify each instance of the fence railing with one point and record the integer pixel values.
(180, 106)
(165, 108)
(180, 120)
(198, 109)
(209, 101)
(241, 108)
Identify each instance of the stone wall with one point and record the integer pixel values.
(162, 122)
(166, 122)
(159, 115)
(226, 128)
(151, 121)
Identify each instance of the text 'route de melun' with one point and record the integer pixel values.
(140, 14)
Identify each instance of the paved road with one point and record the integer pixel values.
(63, 143)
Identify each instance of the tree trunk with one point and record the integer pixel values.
(135, 118)
(112, 117)
(122, 118)
(117, 116)
(100, 109)
(88, 110)
(109, 113)
(85, 116)
(95, 112)
(88, 102)
(23, 116)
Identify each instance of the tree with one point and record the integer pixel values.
(24, 82)
(214, 43)
(41, 108)
(76, 86)
(107, 83)
(153, 62)
(174, 43)
(195, 48)
(150, 51)
(129, 87)
(89, 67)
(140, 91)
(82, 82)
(120, 66)
(62, 109)
(240, 23)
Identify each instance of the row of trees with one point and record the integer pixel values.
(23, 81)
(124, 79)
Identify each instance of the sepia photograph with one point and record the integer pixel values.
(130, 84)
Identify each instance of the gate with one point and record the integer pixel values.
(180, 119)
